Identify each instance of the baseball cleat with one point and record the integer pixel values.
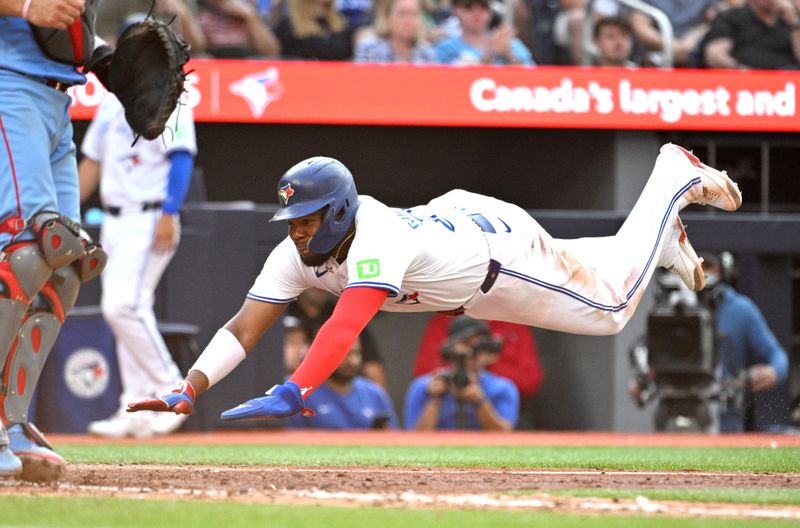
(121, 425)
(39, 462)
(281, 401)
(682, 259)
(167, 423)
(717, 188)
(10, 465)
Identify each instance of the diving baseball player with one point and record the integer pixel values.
(47, 46)
(142, 188)
(460, 253)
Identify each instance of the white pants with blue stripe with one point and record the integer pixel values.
(129, 283)
(588, 285)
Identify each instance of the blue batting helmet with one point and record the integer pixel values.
(315, 183)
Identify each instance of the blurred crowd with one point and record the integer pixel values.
(741, 34)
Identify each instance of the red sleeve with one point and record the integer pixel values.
(354, 310)
(519, 358)
(429, 356)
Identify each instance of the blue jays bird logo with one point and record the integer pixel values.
(259, 90)
(285, 192)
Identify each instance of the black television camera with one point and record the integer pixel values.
(679, 362)
(457, 356)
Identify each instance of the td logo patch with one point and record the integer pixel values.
(369, 268)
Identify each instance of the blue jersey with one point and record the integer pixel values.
(366, 404)
(20, 53)
(453, 50)
(745, 340)
(500, 391)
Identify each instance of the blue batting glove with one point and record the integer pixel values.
(179, 401)
(281, 401)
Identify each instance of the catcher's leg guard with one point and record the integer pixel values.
(23, 368)
(23, 272)
(59, 238)
(93, 261)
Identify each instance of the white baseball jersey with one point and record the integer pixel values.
(436, 258)
(135, 175)
(429, 258)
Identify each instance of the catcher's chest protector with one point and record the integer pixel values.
(73, 45)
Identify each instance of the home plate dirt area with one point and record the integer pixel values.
(417, 487)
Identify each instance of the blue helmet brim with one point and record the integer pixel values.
(289, 212)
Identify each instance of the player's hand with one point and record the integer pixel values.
(168, 233)
(56, 14)
(762, 377)
(281, 401)
(179, 401)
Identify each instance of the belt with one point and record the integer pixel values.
(491, 276)
(145, 206)
(58, 85)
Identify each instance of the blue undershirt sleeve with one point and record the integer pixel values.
(180, 175)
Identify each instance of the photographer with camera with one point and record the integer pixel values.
(705, 354)
(463, 395)
(749, 350)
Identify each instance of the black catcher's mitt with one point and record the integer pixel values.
(147, 75)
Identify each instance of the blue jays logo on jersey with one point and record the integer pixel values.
(285, 192)
(409, 298)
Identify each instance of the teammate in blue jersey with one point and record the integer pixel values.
(44, 255)
(461, 253)
(348, 401)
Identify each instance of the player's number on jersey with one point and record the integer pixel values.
(416, 221)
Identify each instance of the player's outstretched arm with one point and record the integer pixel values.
(224, 352)
(354, 310)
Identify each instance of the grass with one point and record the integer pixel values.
(780, 460)
(123, 513)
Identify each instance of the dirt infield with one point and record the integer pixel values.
(504, 488)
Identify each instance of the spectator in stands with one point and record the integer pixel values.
(479, 42)
(315, 29)
(237, 29)
(518, 359)
(398, 35)
(297, 337)
(346, 400)
(464, 395)
(113, 14)
(357, 12)
(690, 22)
(553, 29)
(762, 34)
(314, 307)
(613, 37)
